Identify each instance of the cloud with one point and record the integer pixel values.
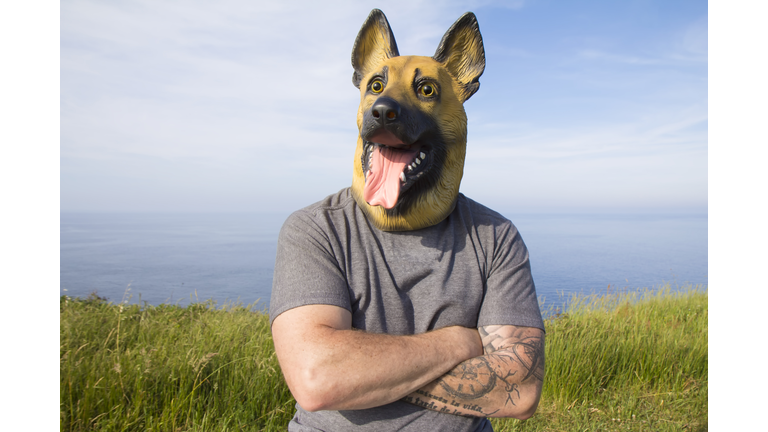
(194, 105)
(191, 101)
(170, 78)
(664, 133)
(656, 160)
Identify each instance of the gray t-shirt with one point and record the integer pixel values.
(471, 270)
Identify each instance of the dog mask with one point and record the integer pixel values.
(413, 129)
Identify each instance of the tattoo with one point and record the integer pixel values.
(490, 338)
(431, 396)
(513, 355)
(530, 353)
(509, 396)
(477, 377)
(451, 407)
(493, 341)
(470, 380)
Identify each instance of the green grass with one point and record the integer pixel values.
(125, 367)
(625, 362)
(620, 362)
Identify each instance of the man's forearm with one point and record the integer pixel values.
(505, 382)
(329, 366)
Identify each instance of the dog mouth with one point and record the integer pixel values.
(390, 171)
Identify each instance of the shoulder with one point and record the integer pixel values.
(484, 219)
(479, 210)
(340, 201)
(324, 213)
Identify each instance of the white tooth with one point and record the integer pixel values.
(402, 177)
(410, 168)
(413, 165)
(418, 162)
(422, 155)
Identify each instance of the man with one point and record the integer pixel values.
(398, 303)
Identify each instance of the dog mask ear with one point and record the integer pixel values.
(374, 44)
(461, 52)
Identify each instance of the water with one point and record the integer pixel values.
(176, 258)
(169, 258)
(588, 253)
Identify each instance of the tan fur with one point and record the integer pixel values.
(456, 76)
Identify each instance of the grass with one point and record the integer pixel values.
(625, 362)
(620, 362)
(200, 368)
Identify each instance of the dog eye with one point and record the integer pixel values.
(427, 89)
(377, 86)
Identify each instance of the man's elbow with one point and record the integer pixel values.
(520, 411)
(523, 408)
(312, 391)
(310, 402)
(528, 411)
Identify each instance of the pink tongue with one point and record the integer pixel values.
(382, 186)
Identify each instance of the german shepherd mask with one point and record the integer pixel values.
(413, 129)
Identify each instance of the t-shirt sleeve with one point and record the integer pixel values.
(510, 297)
(306, 270)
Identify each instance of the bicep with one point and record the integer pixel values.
(298, 333)
(307, 272)
(303, 324)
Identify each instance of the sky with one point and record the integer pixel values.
(195, 106)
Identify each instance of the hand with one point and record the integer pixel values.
(469, 339)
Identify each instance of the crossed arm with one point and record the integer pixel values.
(504, 382)
(496, 371)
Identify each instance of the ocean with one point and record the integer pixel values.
(181, 258)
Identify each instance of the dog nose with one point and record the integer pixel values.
(385, 110)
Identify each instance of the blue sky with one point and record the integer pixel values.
(249, 106)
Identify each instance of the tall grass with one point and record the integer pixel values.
(615, 362)
(126, 367)
(625, 361)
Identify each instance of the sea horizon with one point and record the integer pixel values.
(228, 257)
